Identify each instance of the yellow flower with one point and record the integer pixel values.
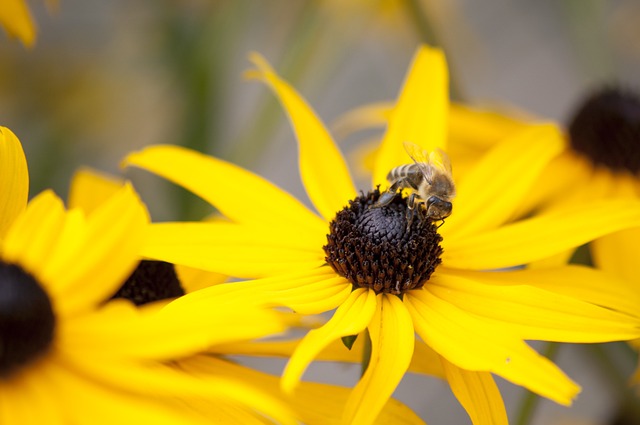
(67, 355)
(476, 321)
(600, 160)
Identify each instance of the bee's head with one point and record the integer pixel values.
(438, 209)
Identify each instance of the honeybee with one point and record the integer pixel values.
(429, 177)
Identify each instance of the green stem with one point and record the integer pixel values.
(293, 65)
(629, 408)
(531, 400)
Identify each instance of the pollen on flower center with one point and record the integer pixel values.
(375, 248)
(606, 129)
(27, 320)
(151, 281)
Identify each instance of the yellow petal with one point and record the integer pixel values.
(475, 344)
(124, 332)
(314, 298)
(14, 178)
(81, 275)
(194, 279)
(420, 115)
(349, 319)
(222, 184)
(323, 404)
(17, 21)
(392, 341)
(424, 361)
(566, 179)
(534, 313)
(478, 393)
(81, 398)
(314, 404)
(491, 191)
(162, 381)
(323, 170)
(578, 282)
(27, 398)
(540, 237)
(618, 254)
(258, 291)
(34, 233)
(476, 130)
(235, 250)
(363, 118)
(90, 189)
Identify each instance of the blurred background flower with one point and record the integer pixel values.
(105, 78)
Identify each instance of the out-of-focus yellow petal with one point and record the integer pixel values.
(475, 344)
(618, 254)
(472, 131)
(534, 313)
(392, 341)
(235, 250)
(541, 236)
(17, 21)
(160, 380)
(362, 118)
(14, 177)
(27, 399)
(122, 331)
(34, 233)
(491, 191)
(579, 282)
(194, 279)
(115, 231)
(323, 170)
(349, 319)
(478, 393)
(90, 189)
(566, 179)
(420, 114)
(218, 183)
(81, 398)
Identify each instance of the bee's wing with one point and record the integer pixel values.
(421, 158)
(439, 158)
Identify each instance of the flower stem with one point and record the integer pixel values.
(531, 400)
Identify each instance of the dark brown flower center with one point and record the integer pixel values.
(606, 129)
(27, 320)
(377, 248)
(151, 281)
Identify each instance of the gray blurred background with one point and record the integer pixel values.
(106, 78)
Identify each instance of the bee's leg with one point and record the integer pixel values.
(411, 209)
(388, 195)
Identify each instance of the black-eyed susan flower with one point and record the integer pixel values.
(396, 279)
(69, 356)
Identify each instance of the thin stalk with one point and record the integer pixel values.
(425, 29)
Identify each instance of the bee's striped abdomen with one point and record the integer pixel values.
(401, 171)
